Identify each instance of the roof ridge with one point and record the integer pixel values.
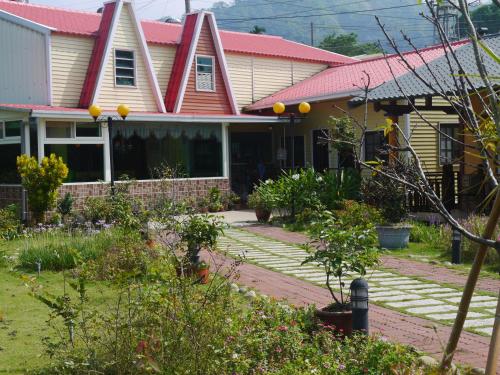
(43, 6)
(425, 49)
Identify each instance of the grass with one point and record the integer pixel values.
(23, 318)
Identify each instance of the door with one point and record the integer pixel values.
(320, 150)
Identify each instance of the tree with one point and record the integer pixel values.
(485, 16)
(467, 88)
(258, 30)
(348, 44)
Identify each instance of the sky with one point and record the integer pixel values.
(147, 9)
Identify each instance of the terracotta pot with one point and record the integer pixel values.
(262, 214)
(341, 320)
(203, 274)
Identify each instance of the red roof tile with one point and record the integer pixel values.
(342, 81)
(86, 24)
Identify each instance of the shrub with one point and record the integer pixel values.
(476, 225)
(9, 222)
(65, 205)
(215, 202)
(436, 237)
(357, 214)
(388, 196)
(41, 182)
(60, 250)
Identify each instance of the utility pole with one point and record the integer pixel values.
(312, 34)
(188, 6)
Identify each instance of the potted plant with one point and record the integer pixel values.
(203, 271)
(261, 206)
(340, 250)
(389, 197)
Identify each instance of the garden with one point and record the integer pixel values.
(118, 288)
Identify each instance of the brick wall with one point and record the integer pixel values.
(149, 191)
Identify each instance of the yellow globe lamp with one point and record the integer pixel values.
(95, 111)
(278, 108)
(123, 110)
(304, 108)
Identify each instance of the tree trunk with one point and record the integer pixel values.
(491, 364)
(470, 285)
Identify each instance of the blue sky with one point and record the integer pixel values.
(147, 9)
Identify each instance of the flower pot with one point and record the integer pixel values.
(262, 214)
(393, 236)
(341, 320)
(203, 274)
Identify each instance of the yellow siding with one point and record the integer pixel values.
(140, 97)
(254, 78)
(240, 73)
(70, 59)
(424, 138)
(163, 60)
(303, 70)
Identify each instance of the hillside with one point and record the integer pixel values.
(292, 18)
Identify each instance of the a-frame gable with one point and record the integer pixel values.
(200, 36)
(121, 30)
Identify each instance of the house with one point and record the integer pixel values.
(185, 84)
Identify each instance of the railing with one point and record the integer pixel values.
(446, 185)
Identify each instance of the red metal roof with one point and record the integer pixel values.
(342, 81)
(81, 23)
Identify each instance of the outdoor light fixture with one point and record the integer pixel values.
(455, 247)
(359, 305)
(279, 108)
(123, 110)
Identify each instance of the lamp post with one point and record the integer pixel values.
(95, 111)
(455, 247)
(279, 109)
(359, 304)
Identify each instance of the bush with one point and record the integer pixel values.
(9, 222)
(436, 237)
(166, 324)
(41, 182)
(388, 196)
(476, 225)
(215, 201)
(357, 214)
(60, 250)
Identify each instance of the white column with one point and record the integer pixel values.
(40, 135)
(25, 138)
(225, 150)
(107, 152)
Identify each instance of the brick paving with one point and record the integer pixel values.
(421, 333)
(405, 267)
(398, 327)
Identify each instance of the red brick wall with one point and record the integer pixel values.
(149, 191)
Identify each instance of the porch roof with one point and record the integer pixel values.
(45, 111)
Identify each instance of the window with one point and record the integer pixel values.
(88, 129)
(374, 141)
(205, 73)
(58, 129)
(124, 68)
(449, 150)
(72, 130)
(85, 162)
(295, 150)
(10, 129)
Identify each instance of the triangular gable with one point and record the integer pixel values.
(101, 62)
(200, 36)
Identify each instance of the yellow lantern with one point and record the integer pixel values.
(123, 110)
(95, 111)
(304, 108)
(278, 108)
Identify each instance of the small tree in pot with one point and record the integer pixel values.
(389, 196)
(200, 231)
(340, 251)
(261, 201)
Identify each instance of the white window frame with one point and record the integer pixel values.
(73, 139)
(9, 140)
(213, 72)
(115, 67)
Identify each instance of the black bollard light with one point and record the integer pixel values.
(359, 304)
(455, 247)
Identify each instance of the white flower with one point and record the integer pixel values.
(319, 179)
(269, 181)
(235, 355)
(296, 177)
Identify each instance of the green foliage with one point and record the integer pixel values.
(357, 214)
(10, 224)
(487, 16)
(166, 324)
(342, 133)
(388, 195)
(476, 225)
(201, 231)
(65, 205)
(341, 249)
(436, 237)
(348, 44)
(61, 250)
(305, 191)
(41, 181)
(215, 200)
